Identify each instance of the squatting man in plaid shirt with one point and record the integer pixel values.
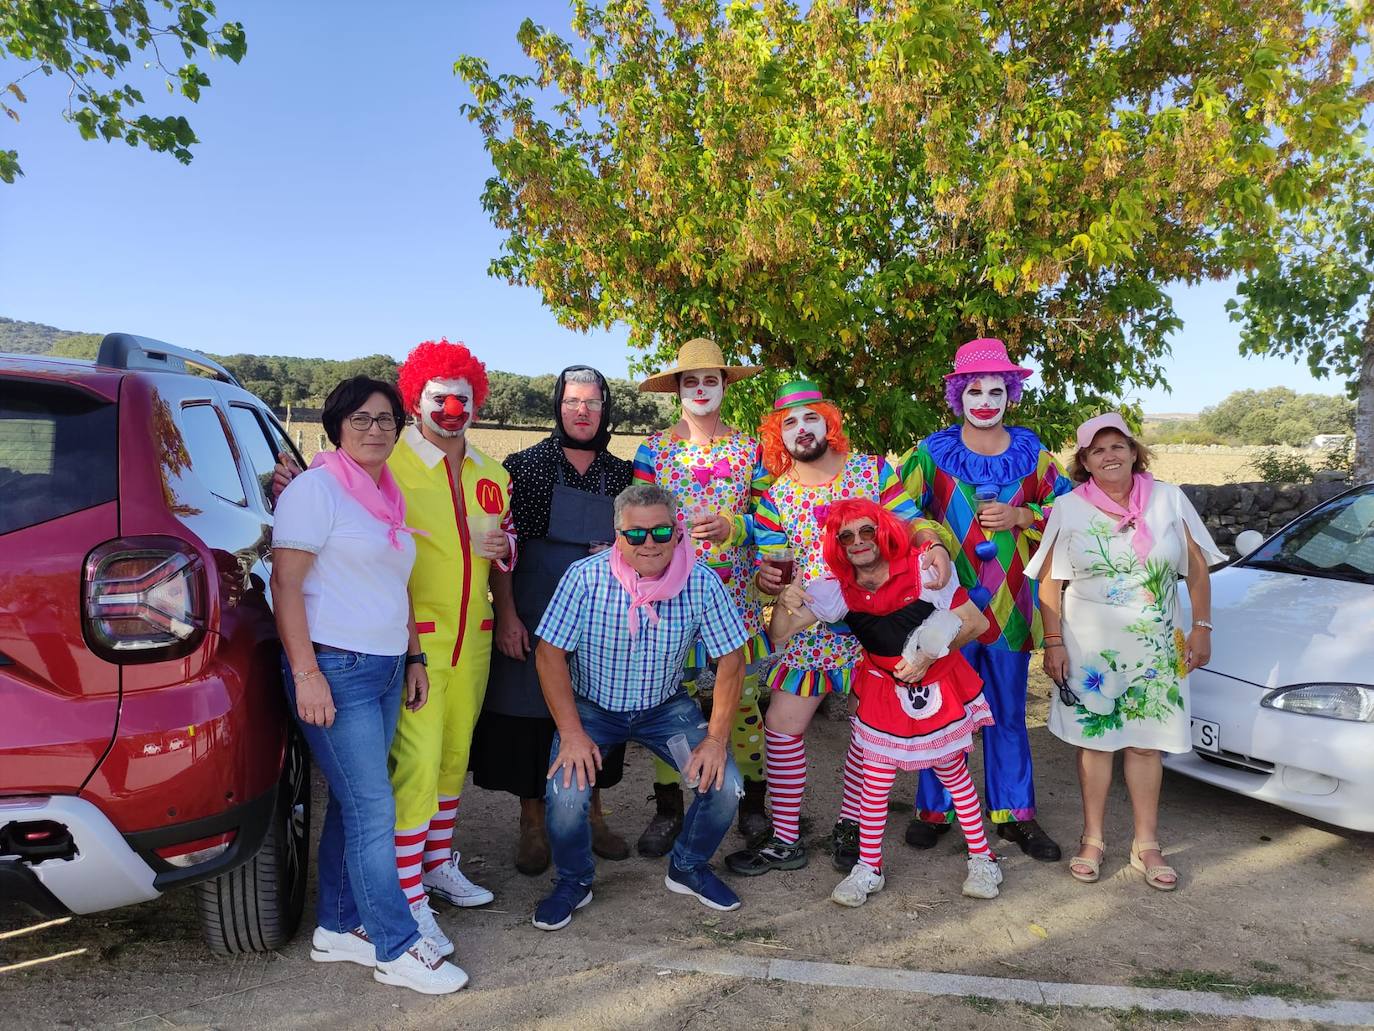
(610, 657)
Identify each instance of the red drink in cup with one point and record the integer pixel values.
(784, 562)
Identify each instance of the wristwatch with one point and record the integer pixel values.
(419, 657)
(1204, 624)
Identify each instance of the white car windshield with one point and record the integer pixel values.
(1334, 541)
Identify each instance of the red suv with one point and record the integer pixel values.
(145, 741)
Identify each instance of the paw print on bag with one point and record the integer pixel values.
(919, 701)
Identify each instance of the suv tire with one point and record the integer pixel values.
(257, 907)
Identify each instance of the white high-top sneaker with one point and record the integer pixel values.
(984, 875)
(862, 882)
(429, 927)
(448, 882)
(421, 969)
(343, 947)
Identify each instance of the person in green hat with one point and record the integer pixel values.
(806, 453)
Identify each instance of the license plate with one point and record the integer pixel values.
(1206, 736)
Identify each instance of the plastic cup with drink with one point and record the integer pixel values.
(784, 560)
(480, 526)
(681, 752)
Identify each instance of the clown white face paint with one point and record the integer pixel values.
(985, 401)
(701, 390)
(804, 434)
(446, 406)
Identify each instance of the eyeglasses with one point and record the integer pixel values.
(362, 422)
(866, 534)
(1066, 694)
(572, 404)
(636, 535)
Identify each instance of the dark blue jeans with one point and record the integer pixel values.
(357, 862)
(703, 827)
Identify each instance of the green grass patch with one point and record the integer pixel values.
(981, 1003)
(1225, 984)
(1138, 1017)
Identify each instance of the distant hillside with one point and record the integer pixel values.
(35, 338)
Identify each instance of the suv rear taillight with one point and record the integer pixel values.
(144, 599)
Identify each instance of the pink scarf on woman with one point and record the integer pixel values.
(645, 591)
(382, 499)
(1132, 516)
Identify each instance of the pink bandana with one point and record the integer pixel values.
(1131, 517)
(383, 499)
(645, 591)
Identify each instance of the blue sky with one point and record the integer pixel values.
(333, 208)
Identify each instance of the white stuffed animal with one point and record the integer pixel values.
(940, 628)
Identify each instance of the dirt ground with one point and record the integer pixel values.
(1270, 903)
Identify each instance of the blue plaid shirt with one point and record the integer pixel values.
(589, 617)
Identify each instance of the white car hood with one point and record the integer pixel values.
(1274, 629)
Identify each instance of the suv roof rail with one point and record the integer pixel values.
(127, 351)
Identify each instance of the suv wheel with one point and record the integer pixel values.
(258, 906)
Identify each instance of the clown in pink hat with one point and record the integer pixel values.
(991, 485)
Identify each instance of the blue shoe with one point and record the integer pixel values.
(703, 885)
(556, 911)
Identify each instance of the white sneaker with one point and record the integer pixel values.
(862, 882)
(449, 884)
(429, 927)
(421, 969)
(343, 947)
(984, 875)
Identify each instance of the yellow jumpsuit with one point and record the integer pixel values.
(448, 587)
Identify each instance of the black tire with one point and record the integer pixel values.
(258, 906)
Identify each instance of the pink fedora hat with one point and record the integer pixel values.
(1098, 423)
(985, 355)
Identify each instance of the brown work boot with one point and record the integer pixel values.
(754, 826)
(532, 853)
(663, 829)
(605, 842)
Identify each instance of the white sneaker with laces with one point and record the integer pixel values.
(421, 969)
(862, 882)
(429, 927)
(343, 947)
(449, 884)
(984, 875)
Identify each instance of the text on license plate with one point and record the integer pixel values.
(1206, 736)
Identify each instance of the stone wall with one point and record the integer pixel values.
(1230, 508)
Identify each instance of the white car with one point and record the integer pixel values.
(1284, 711)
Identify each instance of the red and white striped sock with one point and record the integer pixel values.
(877, 788)
(851, 801)
(410, 846)
(439, 840)
(954, 776)
(786, 782)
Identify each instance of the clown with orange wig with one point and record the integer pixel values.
(806, 452)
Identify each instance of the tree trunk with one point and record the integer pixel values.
(1363, 469)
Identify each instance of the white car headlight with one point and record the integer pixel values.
(1334, 701)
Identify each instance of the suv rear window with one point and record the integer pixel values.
(57, 453)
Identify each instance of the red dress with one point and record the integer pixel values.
(913, 726)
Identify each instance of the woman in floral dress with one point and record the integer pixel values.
(1113, 553)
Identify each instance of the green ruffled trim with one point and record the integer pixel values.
(756, 648)
(807, 683)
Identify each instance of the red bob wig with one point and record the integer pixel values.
(893, 538)
(440, 360)
(776, 458)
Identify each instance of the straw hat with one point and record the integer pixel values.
(696, 354)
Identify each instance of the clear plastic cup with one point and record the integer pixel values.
(681, 752)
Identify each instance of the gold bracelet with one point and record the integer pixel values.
(307, 674)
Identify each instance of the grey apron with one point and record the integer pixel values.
(576, 519)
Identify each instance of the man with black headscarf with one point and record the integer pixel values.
(562, 500)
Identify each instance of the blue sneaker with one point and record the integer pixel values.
(556, 911)
(703, 885)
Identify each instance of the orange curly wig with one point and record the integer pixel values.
(776, 458)
(440, 360)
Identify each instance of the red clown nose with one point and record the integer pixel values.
(453, 407)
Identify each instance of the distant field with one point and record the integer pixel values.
(1220, 466)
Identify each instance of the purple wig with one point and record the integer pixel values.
(957, 384)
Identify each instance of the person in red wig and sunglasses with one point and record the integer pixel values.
(919, 699)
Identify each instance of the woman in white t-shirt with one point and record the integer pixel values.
(342, 557)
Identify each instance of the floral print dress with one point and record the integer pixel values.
(1128, 679)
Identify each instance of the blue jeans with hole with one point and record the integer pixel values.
(704, 825)
(357, 860)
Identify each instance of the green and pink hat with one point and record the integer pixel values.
(796, 393)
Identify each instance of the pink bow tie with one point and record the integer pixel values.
(705, 473)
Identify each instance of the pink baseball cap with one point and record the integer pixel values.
(1098, 423)
(985, 355)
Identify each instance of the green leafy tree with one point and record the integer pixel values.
(852, 188)
(1278, 415)
(92, 44)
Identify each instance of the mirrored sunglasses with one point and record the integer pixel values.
(636, 535)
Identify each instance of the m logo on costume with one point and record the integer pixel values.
(919, 700)
(489, 497)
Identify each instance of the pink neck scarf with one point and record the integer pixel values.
(382, 499)
(645, 591)
(1130, 517)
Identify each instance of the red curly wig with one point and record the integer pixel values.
(776, 458)
(893, 539)
(440, 360)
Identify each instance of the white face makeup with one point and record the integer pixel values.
(804, 433)
(985, 401)
(446, 406)
(701, 390)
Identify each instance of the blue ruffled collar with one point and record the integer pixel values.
(1019, 460)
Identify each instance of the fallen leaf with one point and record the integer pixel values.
(1039, 931)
